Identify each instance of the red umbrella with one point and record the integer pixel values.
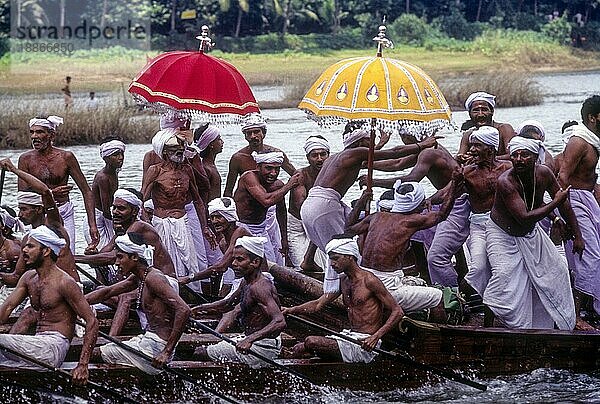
(194, 84)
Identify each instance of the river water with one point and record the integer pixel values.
(287, 130)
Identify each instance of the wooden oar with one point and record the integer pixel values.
(251, 352)
(403, 358)
(89, 276)
(166, 368)
(66, 374)
(2, 177)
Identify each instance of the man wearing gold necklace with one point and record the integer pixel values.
(530, 285)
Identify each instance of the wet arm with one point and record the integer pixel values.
(572, 155)
(396, 312)
(14, 299)
(219, 306)
(103, 293)
(313, 306)
(259, 193)
(106, 199)
(281, 213)
(516, 206)
(228, 319)
(80, 306)
(287, 166)
(82, 184)
(395, 164)
(267, 303)
(100, 259)
(148, 181)
(232, 175)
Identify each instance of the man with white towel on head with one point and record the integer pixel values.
(530, 285)
(106, 182)
(256, 192)
(578, 170)
(53, 167)
(323, 212)
(303, 253)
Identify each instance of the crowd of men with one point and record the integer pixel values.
(510, 225)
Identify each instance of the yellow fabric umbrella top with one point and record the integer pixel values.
(375, 87)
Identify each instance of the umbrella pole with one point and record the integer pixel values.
(370, 160)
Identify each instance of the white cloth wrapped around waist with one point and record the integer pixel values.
(530, 285)
(105, 229)
(49, 347)
(148, 343)
(67, 212)
(351, 352)
(226, 352)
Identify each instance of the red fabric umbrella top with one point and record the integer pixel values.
(193, 83)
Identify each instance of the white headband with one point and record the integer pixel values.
(145, 251)
(487, 135)
(210, 133)
(532, 122)
(533, 145)
(272, 157)
(314, 143)
(112, 147)
(7, 219)
(480, 96)
(254, 121)
(149, 204)
(48, 238)
(217, 206)
(29, 198)
(162, 137)
(354, 136)
(256, 245)
(344, 246)
(172, 121)
(51, 122)
(128, 197)
(410, 201)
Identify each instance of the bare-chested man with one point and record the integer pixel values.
(323, 213)
(165, 311)
(480, 106)
(256, 192)
(578, 170)
(480, 179)
(59, 301)
(53, 167)
(125, 208)
(366, 299)
(302, 252)
(255, 303)
(223, 217)
(387, 238)
(171, 184)
(523, 259)
(106, 182)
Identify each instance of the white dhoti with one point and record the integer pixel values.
(274, 233)
(411, 298)
(351, 352)
(298, 242)
(148, 343)
(67, 212)
(586, 270)
(105, 229)
(225, 352)
(479, 269)
(49, 347)
(323, 216)
(179, 243)
(450, 235)
(261, 230)
(197, 235)
(530, 285)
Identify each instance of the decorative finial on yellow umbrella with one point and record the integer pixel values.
(206, 43)
(382, 41)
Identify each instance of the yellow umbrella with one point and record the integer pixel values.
(391, 93)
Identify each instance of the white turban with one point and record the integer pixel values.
(536, 124)
(314, 143)
(149, 204)
(51, 122)
(172, 121)
(354, 136)
(48, 238)
(161, 138)
(410, 201)
(272, 157)
(128, 197)
(29, 198)
(256, 245)
(210, 133)
(480, 96)
(111, 147)
(523, 143)
(487, 135)
(217, 206)
(387, 204)
(145, 251)
(254, 121)
(7, 219)
(344, 246)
